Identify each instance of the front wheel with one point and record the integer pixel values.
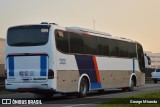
(83, 88)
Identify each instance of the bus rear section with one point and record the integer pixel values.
(27, 59)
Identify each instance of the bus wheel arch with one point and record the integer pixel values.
(84, 82)
(133, 82)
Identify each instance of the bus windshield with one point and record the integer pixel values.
(35, 35)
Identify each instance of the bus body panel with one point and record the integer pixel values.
(27, 69)
(67, 73)
(67, 80)
(113, 72)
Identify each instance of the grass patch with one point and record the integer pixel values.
(121, 102)
(129, 105)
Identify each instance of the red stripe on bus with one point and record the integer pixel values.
(96, 68)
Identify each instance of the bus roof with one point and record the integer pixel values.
(96, 33)
(84, 31)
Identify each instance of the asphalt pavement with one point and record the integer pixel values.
(91, 100)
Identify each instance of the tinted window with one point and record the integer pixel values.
(76, 43)
(132, 50)
(28, 35)
(90, 45)
(123, 48)
(62, 41)
(113, 48)
(141, 57)
(70, 42)
(103, 46)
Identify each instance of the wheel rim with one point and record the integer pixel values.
(84, 88)
(132, 85)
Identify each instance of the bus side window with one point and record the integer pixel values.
(123, 49)
(90, 45)
(62, 41)
(113, 48)
(76, 43)
(132, 50)
(103, 46)
(141, 57)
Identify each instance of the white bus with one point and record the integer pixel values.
(47, 58)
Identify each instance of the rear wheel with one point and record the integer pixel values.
(131, 88)
(83, 88)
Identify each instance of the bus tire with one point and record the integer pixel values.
(131, 88)
(83, 88)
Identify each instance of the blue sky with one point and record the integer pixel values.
(133, 19)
